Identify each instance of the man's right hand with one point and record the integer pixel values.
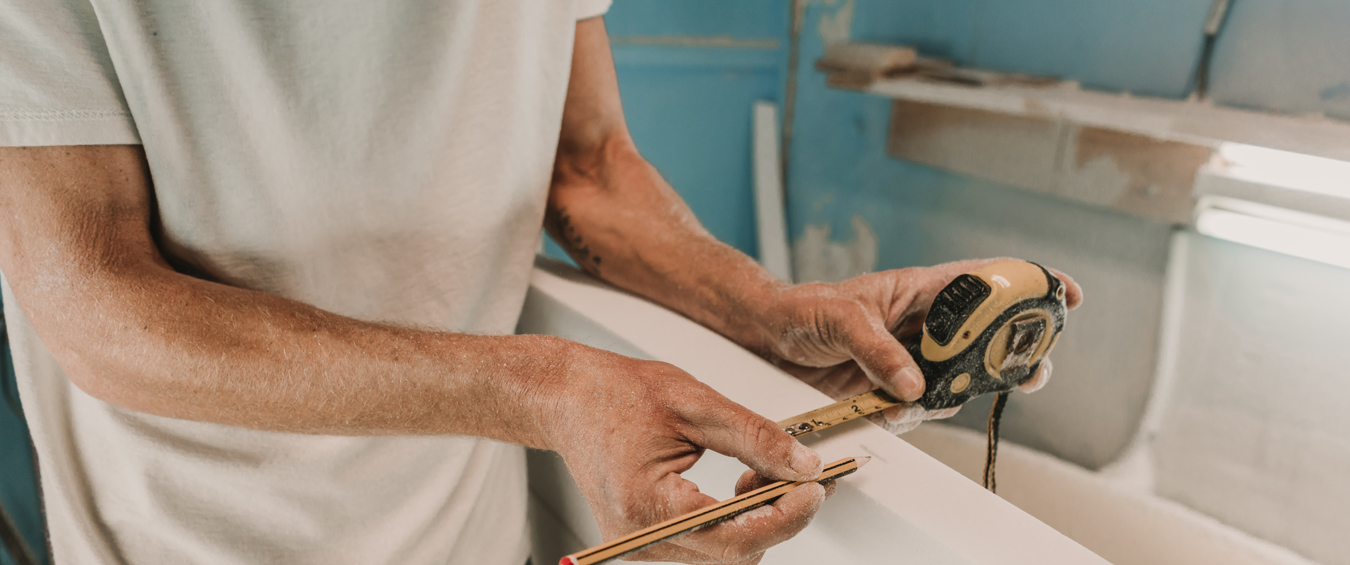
(628, 428)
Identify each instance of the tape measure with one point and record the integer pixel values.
(986, 332)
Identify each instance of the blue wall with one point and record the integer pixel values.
(692, 121)
(689, 107)
(1143, 46)
(689, 104)
(1287, 55)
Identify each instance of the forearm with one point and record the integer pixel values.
(155, 341)
(77, 248)
(621, 221)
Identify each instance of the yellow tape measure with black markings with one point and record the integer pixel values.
(986, 332)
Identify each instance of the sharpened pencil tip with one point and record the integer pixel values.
(862, 460)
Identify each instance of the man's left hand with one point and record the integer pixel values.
(847, 338)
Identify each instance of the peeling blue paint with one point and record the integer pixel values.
(1339, 91)
(1285, 55)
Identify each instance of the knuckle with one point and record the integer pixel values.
(735, 552)
(632, 512)
(654, 368)
(757, 430)
(824, 326)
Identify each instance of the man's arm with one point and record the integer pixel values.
(621, 221)
(76, 246)
(77, 249)
(615, 215)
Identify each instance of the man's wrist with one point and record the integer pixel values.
(757, 316)
(502, 387)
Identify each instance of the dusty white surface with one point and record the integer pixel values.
(904, 506)
(1256, 432)
(1122, 524)
(1241, 439)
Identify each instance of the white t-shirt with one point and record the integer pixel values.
(383, 160)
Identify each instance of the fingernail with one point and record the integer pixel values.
(1036, 382)
(911, 384)
(818, 495)
(806, 462)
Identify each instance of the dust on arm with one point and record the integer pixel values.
(76, 245)
(615, 215)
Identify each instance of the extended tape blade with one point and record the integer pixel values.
(869, 402)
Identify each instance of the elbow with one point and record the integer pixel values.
(594, 161)
(98, 379)
(95, 367)
(94, 337)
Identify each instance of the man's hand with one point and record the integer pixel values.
(846, 338)
(622, 222)
(627, 430)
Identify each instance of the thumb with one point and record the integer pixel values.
(883, 358)
(733, 430)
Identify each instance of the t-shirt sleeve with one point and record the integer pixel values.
(591, 8)
(57, 83)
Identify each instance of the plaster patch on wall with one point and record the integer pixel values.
(1133, 173)
(1098, 180)
(1019, 150)
(817, 258)
(837, 27)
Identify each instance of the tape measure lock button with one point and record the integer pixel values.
(960, 383)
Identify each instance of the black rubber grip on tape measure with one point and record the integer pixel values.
(953, 305)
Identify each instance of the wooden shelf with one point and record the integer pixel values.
(1177, 120)
(1148, 157)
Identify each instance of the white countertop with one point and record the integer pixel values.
(904, 506)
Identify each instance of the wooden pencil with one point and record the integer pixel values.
(704, 517)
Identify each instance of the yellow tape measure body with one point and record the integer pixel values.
(986, 332)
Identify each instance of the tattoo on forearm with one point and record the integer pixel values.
(574, 244)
